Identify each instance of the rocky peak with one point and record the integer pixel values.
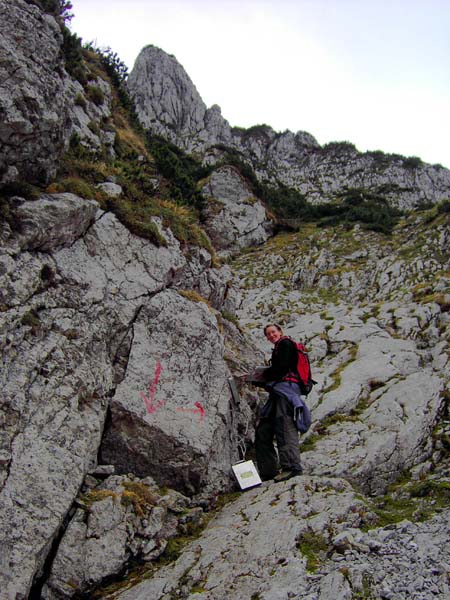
(168, 104)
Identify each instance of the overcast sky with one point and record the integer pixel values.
(372, 72)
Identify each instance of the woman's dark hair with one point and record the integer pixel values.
(273, 325)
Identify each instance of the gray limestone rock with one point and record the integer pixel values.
(113, 190)
(41, 107)
(171, 416)
(233, 217)
(74, 319)
(54, 221)
(117, 354)
(120, 519)
(168, 103)
(254, 546)
(34, 123)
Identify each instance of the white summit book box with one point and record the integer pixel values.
(246, 474)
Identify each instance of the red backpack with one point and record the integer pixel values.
(303, 376)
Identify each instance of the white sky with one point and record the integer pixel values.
(372, 72)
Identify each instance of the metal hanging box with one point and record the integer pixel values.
(246, 474)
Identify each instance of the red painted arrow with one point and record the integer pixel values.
(199, 410)
(149, 400)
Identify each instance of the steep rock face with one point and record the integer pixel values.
(233, 217)
(41, 107)
(323, 173)
(85, 319)
(169, 105)
(109, 356)
(34, 125)
(170, 416)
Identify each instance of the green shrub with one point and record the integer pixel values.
(443, 206)
(116, 68)
(80, 101)
(95, 94)
(19, 188)
(412, 162)
(60, 9)
(340, 147)
(314, 548)
(31, 319)
(182, 171)
(94, 127)
(74, 185)
(73, 55)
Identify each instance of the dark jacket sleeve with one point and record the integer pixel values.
(284, 360)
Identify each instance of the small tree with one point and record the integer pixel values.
(58, 8)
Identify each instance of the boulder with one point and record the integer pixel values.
(118, 520)
(233, 217)
(171, 416)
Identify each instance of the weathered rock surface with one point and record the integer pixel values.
(254, 548)
(85, 318)
(116, 355)
(41, 107)
(243, 544)
(233, 217)
(119, 518)
(179, 108)
(34, 125)
(171, 416)
(168, 104)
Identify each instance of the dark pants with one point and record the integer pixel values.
(278, 423)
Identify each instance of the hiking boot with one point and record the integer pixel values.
(285, 475)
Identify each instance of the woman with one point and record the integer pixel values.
(277, 415)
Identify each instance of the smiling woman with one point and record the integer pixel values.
(278, 416)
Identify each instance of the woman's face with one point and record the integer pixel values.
(273, 334)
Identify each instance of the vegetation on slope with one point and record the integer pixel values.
(141, 160)
(290, 206)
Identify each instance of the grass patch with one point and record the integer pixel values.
(97, 496)
(336, 375)
(194, 296)
(137, 219)
(31, 319)
(411, 500)
(310, 442)
(322, 427)
(78, 186)
(314, 548)
(139, 496)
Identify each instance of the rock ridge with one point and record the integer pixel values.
(168, 104)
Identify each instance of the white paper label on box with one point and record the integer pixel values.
(246, 474)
